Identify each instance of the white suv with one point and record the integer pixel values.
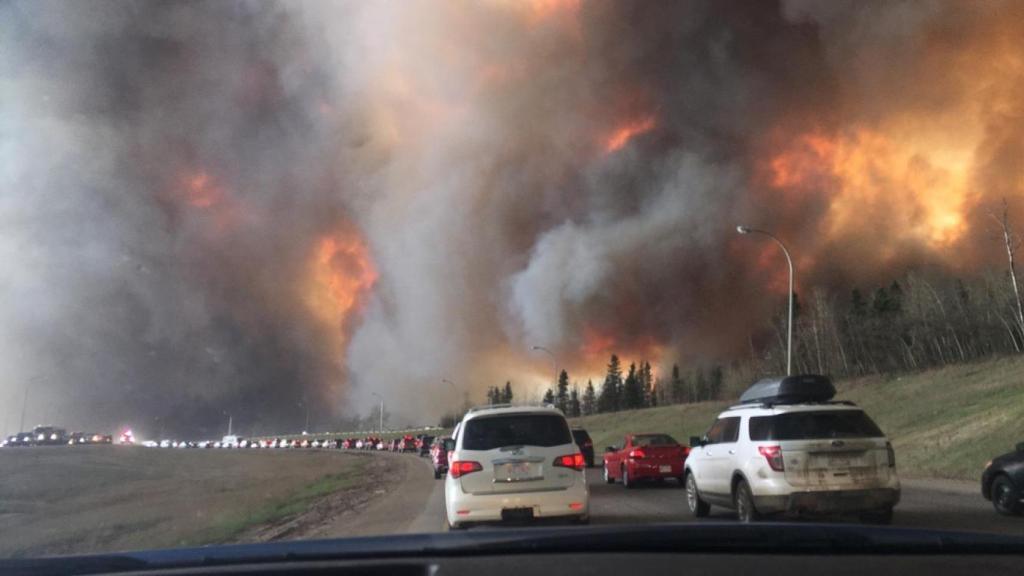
(515, 463)
(787, 449)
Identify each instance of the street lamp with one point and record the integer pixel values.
(554, 361)
(789, 332)
(381, 417)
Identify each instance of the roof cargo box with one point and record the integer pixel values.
(790, 390)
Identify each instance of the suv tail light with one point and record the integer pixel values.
(773, 454)
(637, 454)
(891, 453)
(574, 461)
(460, 468)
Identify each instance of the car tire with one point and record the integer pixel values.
(743, 499)
(625, 479)
(1005, 498)
(699, 508)
(608, 477)
(878, 517)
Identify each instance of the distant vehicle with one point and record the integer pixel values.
(1002, 482)
(49, 436)
(165, 443)
(424, 444)
(229, 441)
(582, 439)
(645, 457)
(126, 437)
(439, 455)
(408, 444)
(101, 439)
(515, 463)
(150, 444)
(787, 448)
(78, 438)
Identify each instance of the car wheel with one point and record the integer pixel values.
(608, 477)
(744, 502)
(698, 507)
(625, 478)
(1005, 498)
(880, 517)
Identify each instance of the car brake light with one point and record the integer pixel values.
(773, 454)
(460, 468)
(574, 461)
(637, 454)
(891, 453)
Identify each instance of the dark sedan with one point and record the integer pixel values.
(1003, 482)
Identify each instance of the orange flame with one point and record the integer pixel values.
(623, 134)
(200, 191)
(870, 175)
(342, 275)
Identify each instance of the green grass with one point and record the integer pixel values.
(227, 528)
(944, 423)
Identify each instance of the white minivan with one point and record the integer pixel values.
(515, 463)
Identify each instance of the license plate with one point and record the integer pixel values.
(839, 462)
(665, 469)
(513, 472)
(517, 514)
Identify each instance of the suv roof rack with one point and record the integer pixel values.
(771, 404)
(490, 406)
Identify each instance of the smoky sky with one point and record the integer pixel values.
(260, 209)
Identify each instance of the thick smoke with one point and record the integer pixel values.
(261, 209)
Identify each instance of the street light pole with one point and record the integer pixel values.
(554, 361)
(455, 390)
(789, 260)
(380, 426)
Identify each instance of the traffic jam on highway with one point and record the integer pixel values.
(787, 448)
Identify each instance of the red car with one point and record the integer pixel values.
(645, 457)
(439, 455)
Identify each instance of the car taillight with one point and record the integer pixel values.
(686, 452)
(773, 454)
(892, 454)
(637, 454)
(460, 468)
(574, 461)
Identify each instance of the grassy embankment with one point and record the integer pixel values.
(944, 423)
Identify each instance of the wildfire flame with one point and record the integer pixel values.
(868, 174)
(342, 274)
(623, 134)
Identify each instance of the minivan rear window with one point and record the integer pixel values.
(814, 425)
(490, 432)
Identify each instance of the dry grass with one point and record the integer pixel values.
(58, 500)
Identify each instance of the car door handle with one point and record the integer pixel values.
(732, 451)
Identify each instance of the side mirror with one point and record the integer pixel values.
(696, 441)
(1020, 447)
(608, 449)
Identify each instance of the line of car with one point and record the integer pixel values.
(53, 436)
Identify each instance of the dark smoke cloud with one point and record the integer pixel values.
(466, 144)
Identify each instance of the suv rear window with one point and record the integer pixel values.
(813, 425)
(490, 432)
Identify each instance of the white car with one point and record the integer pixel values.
(786, 448)
(515, 463)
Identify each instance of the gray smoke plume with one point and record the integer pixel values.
(566, 175)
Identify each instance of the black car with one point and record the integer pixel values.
(582, 439)
(424, 444)
(1002, 482)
